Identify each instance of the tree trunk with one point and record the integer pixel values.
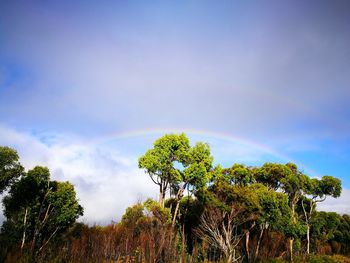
(178, 198)
(258, 244)
(48, 240)
(175, 212)
(291, 241)
(247, 234)
(308, 239)
(24, 228)
(161, 196)
(293, 211)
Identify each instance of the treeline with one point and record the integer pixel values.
(205, 213)
(37, 209)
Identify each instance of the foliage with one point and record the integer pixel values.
(10, 168)
(36, 208)
(173, 164)
(213, 214)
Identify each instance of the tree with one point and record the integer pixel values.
(159, 161)
(197, 173)
(325, 225)
(239, 174)
(146, 228)
(38, 209)
(174, 164)
(274, 214)
(318, 190)
(10, 167)
(219, 227)
(230, 214)
(293, 183)
(271, 174)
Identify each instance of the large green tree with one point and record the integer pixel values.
(159, 162)
(37, 209)
(275, 213)
(289, 179)
(174, 165)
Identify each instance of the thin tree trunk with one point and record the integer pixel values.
(24, 228)
(291, 241)
(161, 196)
(178, 198)
(247, 234)
(175, 212)
(308, 239)
(307, 220)
(161, 200)
(33, 241)
(258, 244)
(47, 241)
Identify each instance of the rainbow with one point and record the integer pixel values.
(202, 133)
(206, 133)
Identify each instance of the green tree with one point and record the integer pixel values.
(275, 212)
(325, 225)
(147, 227)
(239, 174)
(38, 209)
(159, 162)
(230, 213)
(271, 174)
(318, 190)
(10, 167)
(173, 163)
(293, 183)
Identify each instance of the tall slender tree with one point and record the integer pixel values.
(159, 162)
(318, 190)
(173, 164)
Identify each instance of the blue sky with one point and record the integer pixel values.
(85, 88)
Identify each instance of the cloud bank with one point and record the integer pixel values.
(106, 182)
(106, 176)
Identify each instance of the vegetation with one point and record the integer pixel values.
(204, 214)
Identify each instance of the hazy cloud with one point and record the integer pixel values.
(106, 176)
(136, 66)
(277, 73)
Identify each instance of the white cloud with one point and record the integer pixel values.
(339, 205)
(106, 181)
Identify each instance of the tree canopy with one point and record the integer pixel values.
(36, 208)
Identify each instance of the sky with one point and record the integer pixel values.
(86, 87)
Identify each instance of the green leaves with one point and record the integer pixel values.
(271, 174)
(35, 207)
(65, 206)
(10, 167)
(329, 186)
(173, 163)
(239, 174)
(159, 161)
